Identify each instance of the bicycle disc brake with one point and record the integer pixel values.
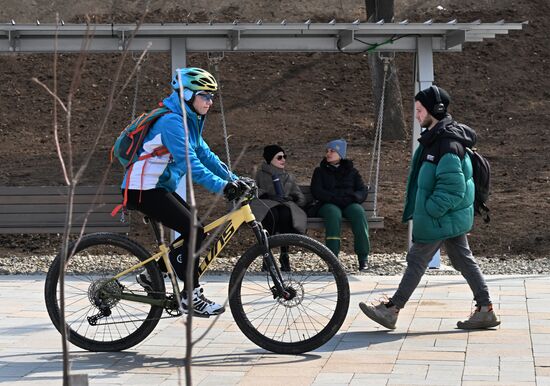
(294, 291)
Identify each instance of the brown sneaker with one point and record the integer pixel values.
(380, 313)
(482, 317)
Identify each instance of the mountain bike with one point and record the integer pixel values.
(286, 312)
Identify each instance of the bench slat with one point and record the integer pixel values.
(41, 209)
(56, 208)
(59, 229)
(21, 199)
(37, 218)
(56, 190)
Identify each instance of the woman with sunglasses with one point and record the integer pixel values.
(280, 198)
(339, 189)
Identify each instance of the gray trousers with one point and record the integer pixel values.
(461, 257)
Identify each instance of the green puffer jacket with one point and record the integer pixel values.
(440, 188)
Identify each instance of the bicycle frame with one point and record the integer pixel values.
(234, 220)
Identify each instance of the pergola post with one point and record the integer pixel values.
(423, 78)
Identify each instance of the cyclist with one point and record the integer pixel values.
(152, 182)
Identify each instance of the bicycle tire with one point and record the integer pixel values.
(96, 258)
(283, 326)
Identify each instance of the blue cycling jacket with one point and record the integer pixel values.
(166, 171)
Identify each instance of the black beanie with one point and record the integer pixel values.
(428, 99)
(270, 151)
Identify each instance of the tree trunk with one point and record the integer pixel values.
(394, 121)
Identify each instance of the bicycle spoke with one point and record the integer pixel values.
(315, 298)
(97, 317)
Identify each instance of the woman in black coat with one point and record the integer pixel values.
(339, 189)
(280, 198)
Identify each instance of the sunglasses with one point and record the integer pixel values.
(281, 157)
(207, 96)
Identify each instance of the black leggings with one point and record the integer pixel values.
(278, 220)
(173, 212)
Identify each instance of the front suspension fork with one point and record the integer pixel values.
(273, 269)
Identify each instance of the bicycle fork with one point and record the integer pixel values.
(278, 289)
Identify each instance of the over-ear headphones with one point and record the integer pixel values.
(439, 107)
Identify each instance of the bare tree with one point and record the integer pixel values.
(394, 120)
(194, 250)
(72, 173)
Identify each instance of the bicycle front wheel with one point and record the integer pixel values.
(97, 316)
(319, 291)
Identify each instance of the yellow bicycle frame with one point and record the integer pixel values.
(234, 221)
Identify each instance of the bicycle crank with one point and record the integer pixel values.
(172, 307)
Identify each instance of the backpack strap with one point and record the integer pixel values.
(125, 199)
(159, 151)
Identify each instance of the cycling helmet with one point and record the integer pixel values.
(195, 79)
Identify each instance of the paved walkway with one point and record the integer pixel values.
(425, 349)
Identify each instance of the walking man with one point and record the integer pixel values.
(439, 200)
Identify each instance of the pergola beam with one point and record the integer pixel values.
(266, 37)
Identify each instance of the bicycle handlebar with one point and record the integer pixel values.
(249, 189)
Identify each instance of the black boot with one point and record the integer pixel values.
(283, 259)
(285, 264)
(363, 266)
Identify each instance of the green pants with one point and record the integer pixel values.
(355, 213)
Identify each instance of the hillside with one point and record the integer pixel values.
(300, 101)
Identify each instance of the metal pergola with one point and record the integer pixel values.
(423, 39)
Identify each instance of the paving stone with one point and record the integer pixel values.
(489, 379)
(326, 378)
(297, 380)
(431, 355)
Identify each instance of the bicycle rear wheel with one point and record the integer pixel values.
(319, 303)
(97, 319)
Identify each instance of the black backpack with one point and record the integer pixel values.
(482, 181)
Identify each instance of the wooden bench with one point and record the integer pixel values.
(375, 222)
(42, 209)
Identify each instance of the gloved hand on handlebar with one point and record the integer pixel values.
(234, 189)
(231, 190)
(251, 182)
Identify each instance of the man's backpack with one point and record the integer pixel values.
(482, 181)
(130, 140)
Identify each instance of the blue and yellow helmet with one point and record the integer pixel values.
(195, 79)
